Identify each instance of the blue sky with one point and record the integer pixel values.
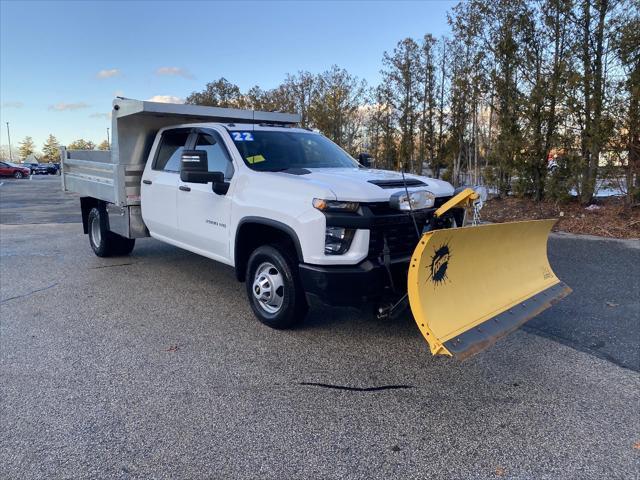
(61, 63)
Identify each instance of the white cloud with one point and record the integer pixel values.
(62, 107)
(175, 71)
(12, 105)
(165, 99)
(106, 116)
(108, 73)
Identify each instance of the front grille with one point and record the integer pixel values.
(398, 228)
(399, 232)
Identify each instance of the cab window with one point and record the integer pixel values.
(170, 150)
(217, 155)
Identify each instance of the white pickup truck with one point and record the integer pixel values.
(297, 217)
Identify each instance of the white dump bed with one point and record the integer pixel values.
(114, 176)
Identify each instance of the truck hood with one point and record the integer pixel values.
(354, 184)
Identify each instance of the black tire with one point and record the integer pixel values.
(18, 175)
(293, 306)
(103, 242)
(98, 232)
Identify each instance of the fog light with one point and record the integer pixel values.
(337, 240)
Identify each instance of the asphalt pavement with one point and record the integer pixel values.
(153, 366)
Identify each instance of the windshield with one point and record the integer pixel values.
(269, 151)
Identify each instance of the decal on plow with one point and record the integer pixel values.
(439, 264)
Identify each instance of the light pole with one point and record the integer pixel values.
(9, 138)
(108, 142)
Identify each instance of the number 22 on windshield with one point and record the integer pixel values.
(242, 136)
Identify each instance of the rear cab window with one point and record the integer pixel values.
(170, 150)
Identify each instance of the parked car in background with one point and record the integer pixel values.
(30, 164)
(12, 170)
(45, 169)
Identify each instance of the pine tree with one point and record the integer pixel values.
(401, 75)
(386, 119)
(627, 47)
(51, 149)
(593, 39)
(426, 124)
(26, 147)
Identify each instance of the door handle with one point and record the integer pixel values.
(184, 188)
(147, 182)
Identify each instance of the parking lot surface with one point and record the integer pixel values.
(153, 366)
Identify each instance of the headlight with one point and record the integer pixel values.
(337, 240)
(419, 199)
(335, 205)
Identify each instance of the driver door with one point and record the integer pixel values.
(203, 216)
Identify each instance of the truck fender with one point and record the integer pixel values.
(255, 231)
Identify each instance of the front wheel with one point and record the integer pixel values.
(273, 287)
(18, 175)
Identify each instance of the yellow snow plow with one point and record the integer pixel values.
(469, 286)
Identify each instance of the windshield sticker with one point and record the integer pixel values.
(242, 136)
(255, 159)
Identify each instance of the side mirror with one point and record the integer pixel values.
(194, 168)
(365, 160)
(220, 187)
(193, 164)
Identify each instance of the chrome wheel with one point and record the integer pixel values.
(268, 287)
(96, 235)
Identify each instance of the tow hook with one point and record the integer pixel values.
(391, 311)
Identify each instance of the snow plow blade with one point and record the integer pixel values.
(470, 286)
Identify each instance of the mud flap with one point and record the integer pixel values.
(470, 286)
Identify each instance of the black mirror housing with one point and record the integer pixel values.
(201, 177)
(193, 161)
(365, 160)
(194, 168)
(220, 187)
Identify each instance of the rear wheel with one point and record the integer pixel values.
(273, 287)
(103, 242)
(97, 223)
(18, 175)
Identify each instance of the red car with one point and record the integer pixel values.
(8, 170)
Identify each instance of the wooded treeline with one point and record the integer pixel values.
(517, 83)
(50, 151)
